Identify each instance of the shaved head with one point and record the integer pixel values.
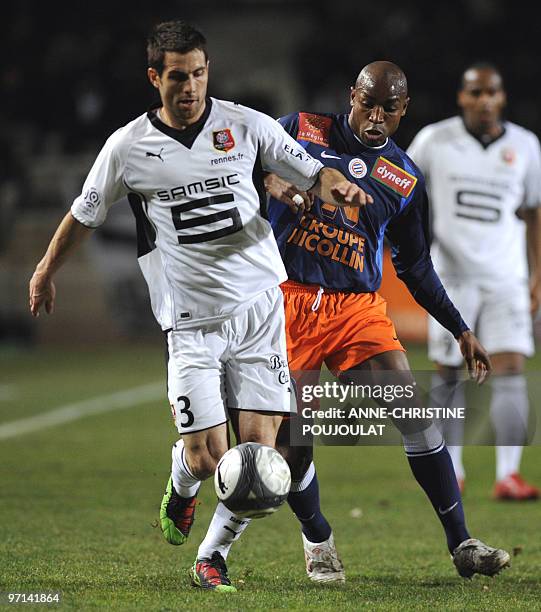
(472, 71)
(378, 101)
(383, 74)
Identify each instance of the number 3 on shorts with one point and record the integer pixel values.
(186, 410)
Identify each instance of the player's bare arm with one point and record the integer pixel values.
(287, 193)
(69, 234)
(332, 187)
(532, 217)
(476, 357)
(339, 191)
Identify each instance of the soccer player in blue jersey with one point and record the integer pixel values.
(335, 316)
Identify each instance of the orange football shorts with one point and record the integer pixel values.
(340, 329)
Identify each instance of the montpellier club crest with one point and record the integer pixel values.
(223, 140)
(357, 168)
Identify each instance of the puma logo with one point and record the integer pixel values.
(150, 154)
(221, 483)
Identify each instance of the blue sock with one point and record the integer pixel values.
(435, 473)
(305, 505)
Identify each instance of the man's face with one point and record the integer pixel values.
(182, 85)
(482, 98)
(376, 110)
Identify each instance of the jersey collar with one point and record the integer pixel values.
(483, 142)
(185, 137)
(356, 145)
(368, 146)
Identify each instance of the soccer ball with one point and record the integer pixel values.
(252, 480)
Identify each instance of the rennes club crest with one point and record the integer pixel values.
(223, 140)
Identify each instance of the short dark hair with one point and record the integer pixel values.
(176, 36)
(479, 65)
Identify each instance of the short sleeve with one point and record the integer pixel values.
(532, 179)
(419, 150)
(283, 155)
(103, 185)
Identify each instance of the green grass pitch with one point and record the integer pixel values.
(79, 503)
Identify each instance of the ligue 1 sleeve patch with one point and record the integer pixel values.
(393, 177)
(223, 140)
(91, 198)
(314, 128)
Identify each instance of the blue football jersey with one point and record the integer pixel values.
(341, 248)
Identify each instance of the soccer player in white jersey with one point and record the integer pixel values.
(484, 181)
(192, 169)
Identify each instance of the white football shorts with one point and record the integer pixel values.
(238, 363)
(499, 316)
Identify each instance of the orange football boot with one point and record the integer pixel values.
(513, 487)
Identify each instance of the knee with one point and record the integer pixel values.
(510, 369)
(298, 458)
(259, 437)
(449, 375)
(202, 462)
(255, 432)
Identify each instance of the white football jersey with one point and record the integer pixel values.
(474, 192)
(205, 246)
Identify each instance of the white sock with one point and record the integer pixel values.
(456, 457)
(450, 395)
(185, 483)
(507, 461)
(425, 442)
(509, 414)
(225, 527)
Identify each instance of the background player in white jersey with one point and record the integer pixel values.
(193, 171)
(484, 182)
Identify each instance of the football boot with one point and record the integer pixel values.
(473, 557)
(177, 515)
(322, 561)
(211, 574)
(514, 488)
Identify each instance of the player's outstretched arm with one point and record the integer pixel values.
(69, 234)
(333, 187)
(476, 357)
(287, 193)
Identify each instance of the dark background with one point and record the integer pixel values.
(73, 73)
